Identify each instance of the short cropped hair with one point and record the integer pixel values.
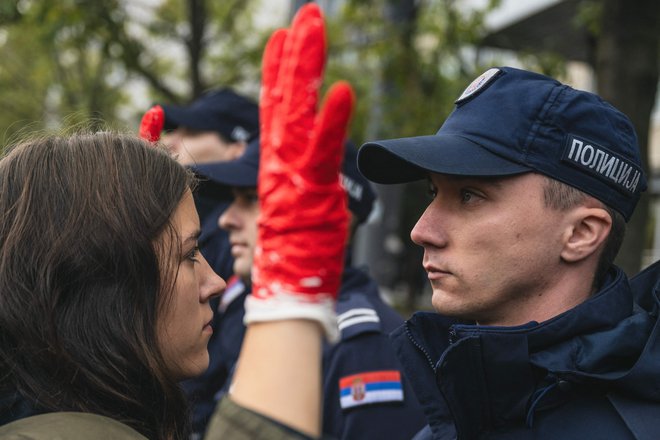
(560, 196)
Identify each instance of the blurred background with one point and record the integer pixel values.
(103, 63)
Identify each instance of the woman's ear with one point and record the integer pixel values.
(586, 233)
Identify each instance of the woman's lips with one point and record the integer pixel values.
(208, 327)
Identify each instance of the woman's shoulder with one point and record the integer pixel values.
(68, 425)
(231, 420)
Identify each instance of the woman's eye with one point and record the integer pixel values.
(192, 255)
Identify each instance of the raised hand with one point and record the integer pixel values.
(303, 223)
(152, 123)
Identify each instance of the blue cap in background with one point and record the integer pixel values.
(361, 196)
(224, 111)
(511, 121)
(243, 172)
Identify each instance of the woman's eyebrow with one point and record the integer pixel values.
(193, 236)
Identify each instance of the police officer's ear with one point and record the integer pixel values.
(587, 231)
(235, 149)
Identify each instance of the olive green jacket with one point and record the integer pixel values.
(229, 422)
(68, 426)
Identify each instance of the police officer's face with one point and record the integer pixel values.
(240, 220)
(491, 247)
(194, 147)
(183, 328)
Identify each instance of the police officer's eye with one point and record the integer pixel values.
(246, 198)
(252, 197)
(432, 191)
(466, 196)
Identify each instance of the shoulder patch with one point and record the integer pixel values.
(370, 387)
(357, 316)
(358, 320)
(478, 84)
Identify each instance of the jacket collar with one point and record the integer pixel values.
(487, 377)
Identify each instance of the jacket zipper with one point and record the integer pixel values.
(419, 347)
(453, 336)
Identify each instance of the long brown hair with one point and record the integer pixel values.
(81, 287)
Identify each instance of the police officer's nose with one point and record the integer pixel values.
(228, 220)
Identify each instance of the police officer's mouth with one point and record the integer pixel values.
(434, 272)
(237, 247)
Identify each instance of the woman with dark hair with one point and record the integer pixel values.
(98, 311)
(104, 296)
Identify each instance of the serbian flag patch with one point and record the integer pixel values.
(370, 387)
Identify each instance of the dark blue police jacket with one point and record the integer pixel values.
(365, 393)
(592, 372)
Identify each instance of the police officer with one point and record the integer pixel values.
(365, 394)
(538, 335)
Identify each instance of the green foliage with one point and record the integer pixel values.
(8, 12)
(550, 64)
(60, 74)
(589, 16)
(23, 82)
(230, 45)
(69, 61)
(407, 71)
(235, 58)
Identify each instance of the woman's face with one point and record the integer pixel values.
(184, 326)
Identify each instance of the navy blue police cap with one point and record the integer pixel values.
(510, 121)
(361, 196)
(234, 116)
(243, 172)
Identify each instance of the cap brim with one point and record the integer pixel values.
(233, 173)
(176, 116)
(409, 159)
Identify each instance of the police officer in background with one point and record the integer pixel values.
(365, 394)
(538, 335)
